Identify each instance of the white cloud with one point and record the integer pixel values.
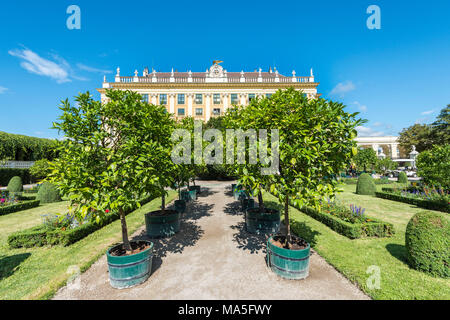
(368, 132)
(425, 113)
(342, 88)
(361, 107)
(3, 89)
(33, 63)
(91, 69)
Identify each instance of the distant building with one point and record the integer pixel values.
(203, 95)
(389, 142)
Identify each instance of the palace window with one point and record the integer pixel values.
(198, 111)
(198, 98)
(234, 98)
(251, 96)
(145, 98)
(180, 98)
(181, 111)
(216, 98)
(216, 111)
(163, 99)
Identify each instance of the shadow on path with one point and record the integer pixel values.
(10, 264)
(206, 192)
(233, 208)
(254, 243)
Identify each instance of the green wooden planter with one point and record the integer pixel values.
(288, 264)
(129, 271)
(162, 226)
(266, 222)
(180, 206)
(184, 195)
(247, 204)
(196, 188)
(193, 194)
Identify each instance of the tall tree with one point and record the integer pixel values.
(419, 135)
(441, 127)
(365, 158)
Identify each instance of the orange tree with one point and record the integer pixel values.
(113, 154)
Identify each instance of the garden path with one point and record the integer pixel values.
(213, 257)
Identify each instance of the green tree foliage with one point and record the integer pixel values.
(366, 185)
(382, 166)
(365, 159)
(419, 135)
(40, 169)
(427, 243)
(15, 184)
(114, 154)
(441, 127)
(402, 177)
(23, 148)
(434, 166)
(316, 143)
(48, 193)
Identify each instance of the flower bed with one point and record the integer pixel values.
(439, 205)
(351, 222)
(13, 203)
(60, 231)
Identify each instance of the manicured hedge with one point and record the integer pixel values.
(41, 236)
(7, 173)
(19, 206)
(23, 148)
(422, 203)
(374, 228)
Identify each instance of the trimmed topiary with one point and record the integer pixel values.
(15, 184)
(402, 178)
(366, 185)
(48, 193)
(428, 243)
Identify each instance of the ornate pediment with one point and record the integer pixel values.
(216, 71)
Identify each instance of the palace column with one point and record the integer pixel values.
(242, 99)
(208, 106)
(225, 101)
(154, 98)
(394, 151)
(375, 147)
(189, 104)
(172, 103)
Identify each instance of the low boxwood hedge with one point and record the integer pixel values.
(28, 204)
(422, 203)
(374, 228)
(41, 235)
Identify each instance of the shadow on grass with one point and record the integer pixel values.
(10, 264)
(397, 251)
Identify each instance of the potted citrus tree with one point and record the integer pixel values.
(316, 141)
(109, 160)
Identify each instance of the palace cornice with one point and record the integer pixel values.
(276, 85)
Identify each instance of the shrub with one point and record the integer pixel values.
(19, 206)
(402, 178)
(428, 243)
(15, 184)
(48, 193)
(365, 185)
(434, 166)
(40, 169)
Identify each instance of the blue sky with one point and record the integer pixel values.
(395, 76)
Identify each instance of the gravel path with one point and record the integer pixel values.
(213, 257)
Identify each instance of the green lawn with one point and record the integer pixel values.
(353, 257)
(38, 272)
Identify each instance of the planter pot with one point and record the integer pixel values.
(193, 195)
(288, 264)
(233, 186)
(180, 206)
(129, 271)
(196, 188)
(184, 195)
(247, 204)
(159, 226)
(266, 222)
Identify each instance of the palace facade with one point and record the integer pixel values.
(203, 95)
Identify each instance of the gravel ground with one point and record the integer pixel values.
(213, 257)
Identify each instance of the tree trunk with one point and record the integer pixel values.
(260, 201)
(163, 202)
(287, 222)
(125, 240)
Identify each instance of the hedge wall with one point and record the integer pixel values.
(40, 236)
(19, 207)
(7, 173)
(422, 203)
(23, 148)
(374, 228)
